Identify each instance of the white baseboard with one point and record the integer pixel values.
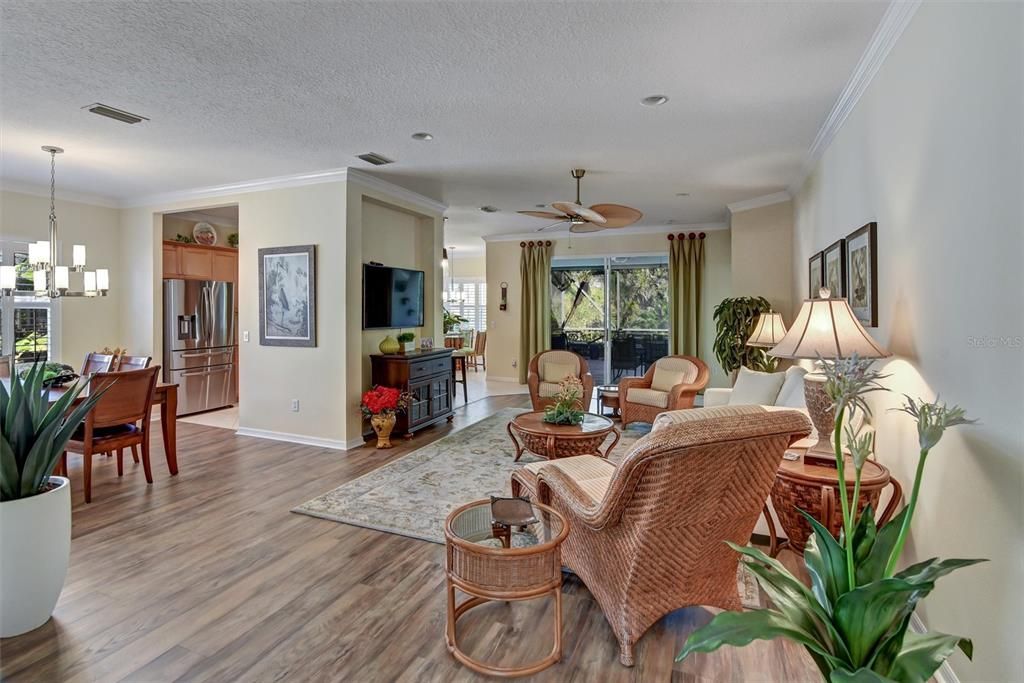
(303, 439)
(945, 673)
(492, 378)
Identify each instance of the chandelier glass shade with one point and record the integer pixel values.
(49, 277)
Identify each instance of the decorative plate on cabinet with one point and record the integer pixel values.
(204, 234)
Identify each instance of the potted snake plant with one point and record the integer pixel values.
(35, 507)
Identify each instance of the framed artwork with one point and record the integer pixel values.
(835, 268)
(816, 274)
(288, 296)
(862, 273)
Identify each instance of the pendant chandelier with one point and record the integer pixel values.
(49, 278)
(452, 296)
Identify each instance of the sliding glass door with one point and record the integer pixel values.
(613, 311)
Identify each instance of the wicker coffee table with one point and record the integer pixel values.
(561, 441)
(478, 564)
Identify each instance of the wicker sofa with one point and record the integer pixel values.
(548, 368)
(671, 383)
(647, 536)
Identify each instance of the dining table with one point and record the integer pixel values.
(165, 395)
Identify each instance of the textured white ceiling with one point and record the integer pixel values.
(515, 94)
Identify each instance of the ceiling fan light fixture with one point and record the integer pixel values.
(654, 100)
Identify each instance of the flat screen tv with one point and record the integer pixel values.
(392, 297)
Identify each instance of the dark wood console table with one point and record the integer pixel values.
(427, 375)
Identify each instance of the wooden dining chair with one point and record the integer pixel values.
(97, 362)
(127, 363)
(476, 356)
(119, 420)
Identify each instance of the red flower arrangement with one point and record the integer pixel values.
(384, 401)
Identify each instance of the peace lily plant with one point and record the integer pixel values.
(853, 619)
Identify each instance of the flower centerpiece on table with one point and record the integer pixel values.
(381, 404)
(853, 619)
(568, 406)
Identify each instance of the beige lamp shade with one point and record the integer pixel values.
(827, 328)
(769, 330)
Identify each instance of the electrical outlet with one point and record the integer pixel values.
(515, 363)
(295, 405)
(245, 336)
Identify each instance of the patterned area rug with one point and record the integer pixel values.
(413, 495)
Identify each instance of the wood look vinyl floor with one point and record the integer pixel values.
(207, 576)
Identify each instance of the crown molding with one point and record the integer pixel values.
(896, 18)
(644, 230)
(758, 202)
(257, 185)
(372, 182)
(63, 195)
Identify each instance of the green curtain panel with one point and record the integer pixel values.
(686, 279)
(535, 311)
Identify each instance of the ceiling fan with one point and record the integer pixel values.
(582, 219)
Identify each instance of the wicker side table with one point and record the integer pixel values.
(815, 489)
(478, 564)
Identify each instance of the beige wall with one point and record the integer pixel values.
(502, 264)
(173, 225)
(934, 153)
(762, 255)
(85, 325)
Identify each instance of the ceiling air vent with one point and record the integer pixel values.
(116, 114)
(375, 159)
(489, 209)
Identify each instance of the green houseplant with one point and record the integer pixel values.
(568, 406)
(35, 508)
(853, 620)
(451, 320)
(735, 319)
(407, 340)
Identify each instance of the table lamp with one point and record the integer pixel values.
(825, 328)
(768, 331)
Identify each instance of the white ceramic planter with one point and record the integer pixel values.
(35, 546)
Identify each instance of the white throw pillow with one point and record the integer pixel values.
(791, 395)
(556, 372)
(756, 388)
(664, 379)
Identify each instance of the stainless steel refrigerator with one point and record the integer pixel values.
(199, 343)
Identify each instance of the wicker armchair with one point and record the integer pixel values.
(647, 536)
(547, 370)
(671, 383)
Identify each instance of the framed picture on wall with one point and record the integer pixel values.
(862, 273)
(835, 268)
(288, 296)
(816, 274)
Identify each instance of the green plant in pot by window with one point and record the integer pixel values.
(853, 620)
(35, 508)
(568, 406)
(735, 319)
(451, 320)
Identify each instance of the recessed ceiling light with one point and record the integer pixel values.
(422, 136)
(654, 100)
(489, 209)
(682, 194)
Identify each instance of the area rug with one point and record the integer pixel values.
(413, 495)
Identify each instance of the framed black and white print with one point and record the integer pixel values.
(815, 274)
(835, 268)
(288, 296)
(862, 273)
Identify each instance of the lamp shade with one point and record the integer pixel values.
(769, 330)
(827, 328)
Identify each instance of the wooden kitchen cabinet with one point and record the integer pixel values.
(171, 269)
(225, 266)
(196, 262)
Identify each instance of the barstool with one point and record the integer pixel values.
(459, 361)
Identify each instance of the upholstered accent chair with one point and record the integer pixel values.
(648, 536)
(671, 383)
(548, 368)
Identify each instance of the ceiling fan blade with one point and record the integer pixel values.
(585, 227)
(617, 215)
(581, 211)
(550, 215)
(564, 220)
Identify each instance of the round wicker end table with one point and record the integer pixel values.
(479, 564)
(561, 441)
